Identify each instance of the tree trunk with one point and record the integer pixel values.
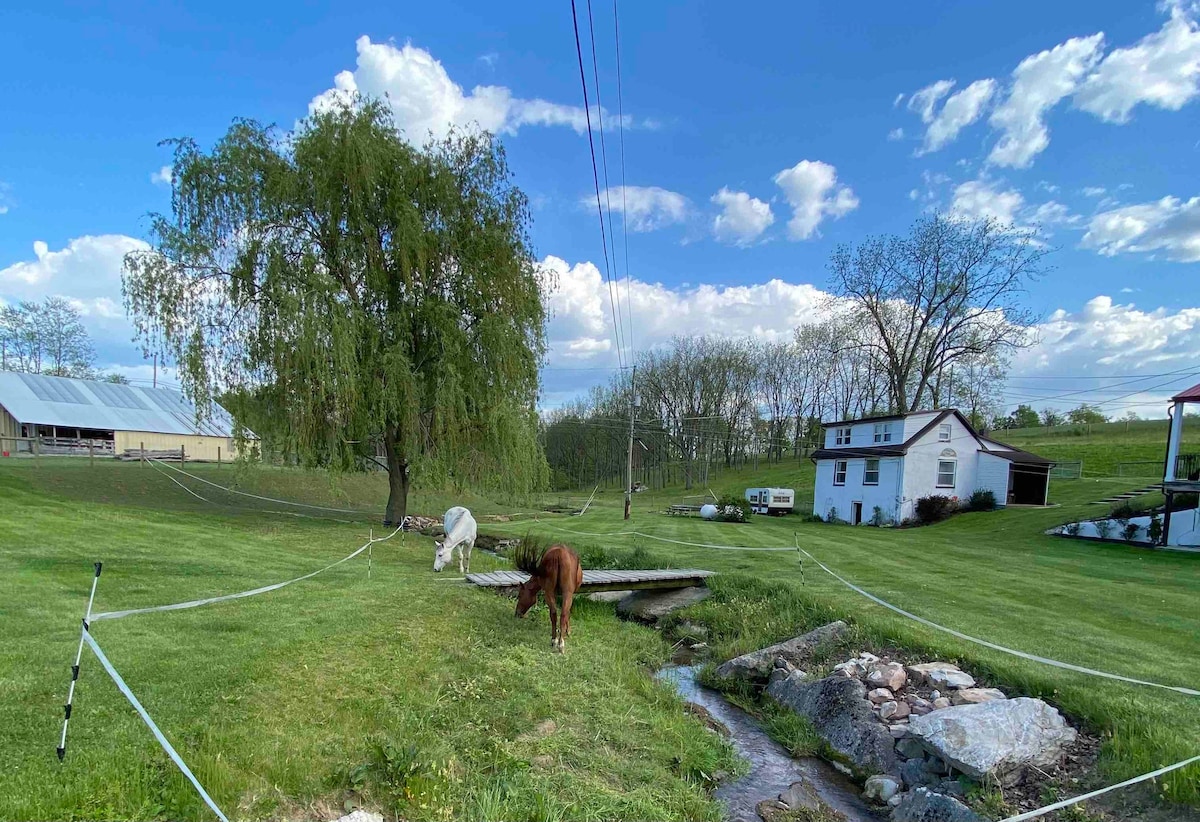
(397, 504)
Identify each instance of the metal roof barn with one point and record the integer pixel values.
(70, 403)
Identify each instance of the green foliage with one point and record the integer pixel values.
(1024, 417)
(878, 517)
(46, 338)
(731, 508)
(1104, 528)
(981, 499)
(832, 517)
(1086, 415)
(1130, 531)
(935, 508)
(370, 293)
(1154, 530)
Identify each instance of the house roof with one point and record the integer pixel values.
(877, 418)
(70, 403)
(1005, 451)
(1190, 395)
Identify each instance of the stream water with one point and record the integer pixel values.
(772, 769)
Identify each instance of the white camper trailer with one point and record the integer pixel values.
(771, 500)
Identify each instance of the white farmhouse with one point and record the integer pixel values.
(890, 462)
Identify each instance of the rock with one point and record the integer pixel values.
(888, 675)
(757, 665)
(867, 657)
(895, 800)
(973, 696)
(801, 795)
(940, 675)
(851, 669)
(893, 711)
(840, 713)
(608, 596)
(780, 662)
(910, 748)
(916, 775)
(899, 730)
(705, 716)
(651, 606)
(772, 810)
(692, 631)
(941, 702)
(919, 706)
(999, 738)
(698, 646)
(881, 788)
(936, 694)
(880, 696)
(951, 787)
(360, 815)
(780, 674)
(923, 805)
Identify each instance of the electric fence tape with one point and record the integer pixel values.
(195, 603)
(162, 740)
(256, 496)
(227, 505)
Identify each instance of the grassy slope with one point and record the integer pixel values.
(1104, 446)
(991, 575)
(405, 692)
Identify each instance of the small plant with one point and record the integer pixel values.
(934, 508)
(1072, 529)
(732, 509)
(812, 518)
(981, 499)
(832, 517)
(1130, 531)
(1123, 512)
(1104, 528)
(878, 518)
(1154, 530)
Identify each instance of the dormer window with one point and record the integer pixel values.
(883, 432)
(944, 432)
(842, 436)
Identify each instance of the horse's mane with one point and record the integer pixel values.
(527, 554)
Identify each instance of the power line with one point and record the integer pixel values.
(1174, 374)
(624, 208)
(596, 180)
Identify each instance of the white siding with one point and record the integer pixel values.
(921, 468)
(993, 475)
(842, 497)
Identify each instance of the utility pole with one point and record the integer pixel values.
(629, 458)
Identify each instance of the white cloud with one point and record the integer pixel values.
(1040, 82)
(960, 110)
(1053, 213)
(162, 177)
(896, 134)
(1162, 69)
(424, 100)
(812, 190)
(1094, 191)
(979, 199)
(742, 219)
(1169, 225)
(923, 101)
(647, 208)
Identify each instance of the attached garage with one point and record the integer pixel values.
(70, 416)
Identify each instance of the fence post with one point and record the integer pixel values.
(218, 456)
(181, 453)
(91, 453)
(142, 453)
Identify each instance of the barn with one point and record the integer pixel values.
(59, 415)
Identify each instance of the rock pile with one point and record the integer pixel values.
(909, 730)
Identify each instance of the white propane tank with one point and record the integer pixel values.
(708, 511)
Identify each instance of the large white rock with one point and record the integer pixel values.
(940, 675)
(999, 738)
(881, 787)
(757, 665)
(361, 816)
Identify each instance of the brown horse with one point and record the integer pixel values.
(557, 572)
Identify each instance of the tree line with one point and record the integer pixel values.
(48, 337)
(920, 321)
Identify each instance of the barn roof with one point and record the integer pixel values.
(71, 403)
(1190, 395)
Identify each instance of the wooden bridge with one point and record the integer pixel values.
(507, 582)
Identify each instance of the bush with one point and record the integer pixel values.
(878, 518)
(1155, 529)
(1130, 531)
(733, 509)
(832, 517)
(934, 508)
(981, 499)
(1104, 528)
(812, 518)
(1123, 512)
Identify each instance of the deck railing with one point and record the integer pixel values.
(1187, 467)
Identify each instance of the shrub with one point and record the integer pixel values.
(878, 518)
(1130, 531)
(813, 518)
(1155, 529)
(1104, 528)
(832, 517)
(934, 508)
(1123, 512)
(733, 509)
(981, 499)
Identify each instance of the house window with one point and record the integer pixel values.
(871, 472)
(944, 432)
(945, 474)
(842, 436)
(883, 432)
(839, 472)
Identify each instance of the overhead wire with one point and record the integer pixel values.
(624, 207)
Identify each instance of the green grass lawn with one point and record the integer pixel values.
(1103, 447)
(407, 692)
(992, 575)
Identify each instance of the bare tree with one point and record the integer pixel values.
(947, 291)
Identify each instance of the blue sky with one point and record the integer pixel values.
(758, 138)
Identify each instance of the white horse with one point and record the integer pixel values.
(461, 532)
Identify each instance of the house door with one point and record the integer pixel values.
(856, 513)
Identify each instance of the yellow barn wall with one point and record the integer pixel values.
(194, 447)
(9, 427)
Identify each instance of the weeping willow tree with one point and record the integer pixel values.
(376, 297)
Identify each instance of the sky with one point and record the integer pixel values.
(756, 138)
